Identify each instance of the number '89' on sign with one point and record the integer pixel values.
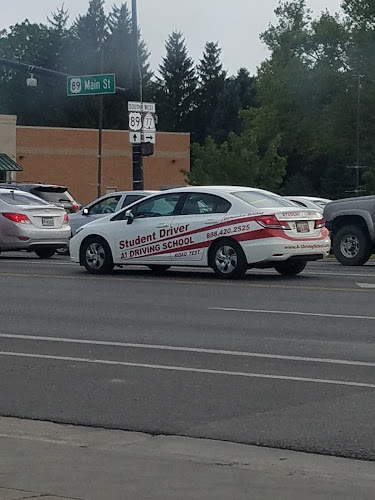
(75, 85)
(135, 121)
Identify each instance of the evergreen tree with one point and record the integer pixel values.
(175, 90)
(238, 94)
(211, 85)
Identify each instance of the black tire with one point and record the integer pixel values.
(227, 259)
(290, 267)
(97, 256)
(351, 246)
(158, 268)
(45, 253)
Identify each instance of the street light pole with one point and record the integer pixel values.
(137, 96)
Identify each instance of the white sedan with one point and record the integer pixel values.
(229, 229)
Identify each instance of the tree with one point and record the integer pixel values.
(211, 85)
(175, 90)
(238, 94)
(245, 159)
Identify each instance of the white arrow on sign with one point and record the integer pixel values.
(149, 137)
(149, 122)
(135, 137)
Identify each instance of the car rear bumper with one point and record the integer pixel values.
(32, 239)
(278, 250)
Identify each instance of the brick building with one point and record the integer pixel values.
(69, 157)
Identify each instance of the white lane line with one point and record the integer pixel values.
(187, 369)
(294, 313)
(366, 285)
(197, 350)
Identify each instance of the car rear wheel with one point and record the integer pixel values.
(227, 259)
(290, 268)
(158, 268)
(45, 253)
(97, 256)
(351, 246)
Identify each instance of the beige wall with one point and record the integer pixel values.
(8, 138)
(68, 156)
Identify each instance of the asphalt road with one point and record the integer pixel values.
(267, 360)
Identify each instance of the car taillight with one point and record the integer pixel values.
(76, 207)
(66, 219)
(19, 218)
(320, 223)
(271, 222)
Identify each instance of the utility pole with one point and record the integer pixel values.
(100, 136)
(357, 167)
(137, 96)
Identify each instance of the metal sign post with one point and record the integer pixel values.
(142, 132)
(94, 85)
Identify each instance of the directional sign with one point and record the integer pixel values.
(135, 137)
(149, 122)
(135, 106)
(135, 121)
(149, 137)
(142, 107)
(91, 84)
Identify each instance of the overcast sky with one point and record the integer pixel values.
(235, 24)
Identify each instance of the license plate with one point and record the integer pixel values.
(303, 227)
(48, 221)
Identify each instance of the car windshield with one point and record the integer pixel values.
(20, 198)
(259, 199)
(54, 195)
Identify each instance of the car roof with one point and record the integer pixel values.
(309, 198)
(217, 189)
(30, 185)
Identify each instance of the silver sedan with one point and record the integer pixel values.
(29, 223)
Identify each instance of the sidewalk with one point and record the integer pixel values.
(56, 462)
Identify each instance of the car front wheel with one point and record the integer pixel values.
(97, 256)
(228, 260)
(290, 268)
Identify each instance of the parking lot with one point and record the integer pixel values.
(266, 360)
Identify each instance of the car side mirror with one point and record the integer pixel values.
(85, 211)
(129, 216)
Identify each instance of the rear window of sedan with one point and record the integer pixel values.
(263, 200)
(17, 198)
(53, 195)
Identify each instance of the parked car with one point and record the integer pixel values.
(229, 229)
(309, 202)
(29, 223)
(352, 225)
(57, 195)
(107, 204)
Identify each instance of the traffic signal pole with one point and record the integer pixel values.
(137, 96)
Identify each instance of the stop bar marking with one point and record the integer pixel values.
(187, 369)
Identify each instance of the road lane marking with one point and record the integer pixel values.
(366, 285)
(295, 313)
(196, 350)
(214, 282)
(187, 369)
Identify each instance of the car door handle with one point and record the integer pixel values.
(211, 221)
(162, 225)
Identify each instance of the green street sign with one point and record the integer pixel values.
(91, 84)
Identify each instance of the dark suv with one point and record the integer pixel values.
(57, 195)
